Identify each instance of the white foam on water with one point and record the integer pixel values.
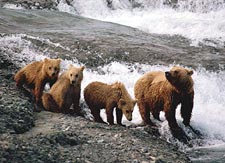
(21, 50)
(206, 25)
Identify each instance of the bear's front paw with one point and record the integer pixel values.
(180, 135)
(121, 125)
(186, 123)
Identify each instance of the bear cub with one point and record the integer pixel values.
(65, 92)
(34, 76)
(99, 96)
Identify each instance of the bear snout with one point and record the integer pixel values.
(167, 73)
(73, 81)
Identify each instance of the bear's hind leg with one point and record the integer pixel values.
(96, 114)
(49, 103)
(156, 115)
(145, 114)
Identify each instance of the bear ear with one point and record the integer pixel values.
(190, 72)
(121, 103)
(46, 60)
(82, 68)
(59, 60)
(70, 66)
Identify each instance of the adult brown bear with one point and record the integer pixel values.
(164, 91)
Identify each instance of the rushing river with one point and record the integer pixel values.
(189, 33)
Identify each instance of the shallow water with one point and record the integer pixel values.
(119, 53)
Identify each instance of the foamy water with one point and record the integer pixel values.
(208, 113)
(201, 21)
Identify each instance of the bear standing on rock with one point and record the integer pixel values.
(99, 95)
(163, 91)
(65, 92)
(34, 76)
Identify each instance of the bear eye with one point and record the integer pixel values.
(55, 68)
(49, 68)
(127, 111)
(76, 75)
(71, 75)
(176, 72)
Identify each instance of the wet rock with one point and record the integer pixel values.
(32, 4)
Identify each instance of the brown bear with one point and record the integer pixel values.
(34, 76)
(164, 91)
(65, 92)
(99, 95)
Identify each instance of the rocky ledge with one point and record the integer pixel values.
(27, 136)
(31, 4)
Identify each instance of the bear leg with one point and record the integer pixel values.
(186, 108)
(119, 115)
(156, 115)
(176, 131)
(38, 92)
(145, 114)
(96, 114)
(109, 114)
(49, 103)
(170, 117)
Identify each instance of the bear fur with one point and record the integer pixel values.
(65, 92)
(99, 95)
(34, 76)
(164, 91)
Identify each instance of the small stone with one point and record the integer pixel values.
(100, 141)
(145, 162)
(136, 161)
(37, 4)
(20, 121)
(144, 150)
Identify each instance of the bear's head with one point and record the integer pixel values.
(127, 107)
(180, 78)
(75, 75)
(52, 67)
